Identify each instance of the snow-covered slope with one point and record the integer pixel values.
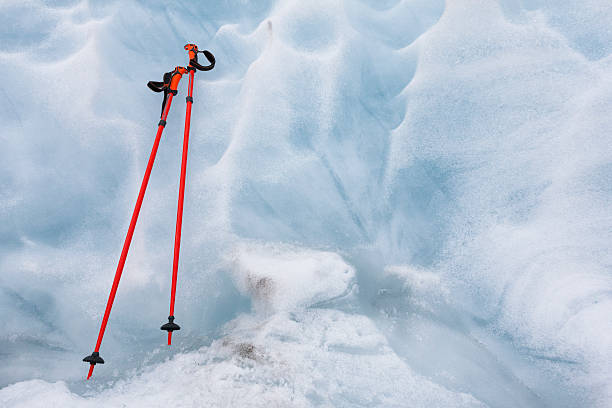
(389, 203)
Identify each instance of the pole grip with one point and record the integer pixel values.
(209, 56)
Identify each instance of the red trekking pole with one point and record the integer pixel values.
(193, 65)
(169, 87)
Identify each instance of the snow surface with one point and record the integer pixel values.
(389, 203)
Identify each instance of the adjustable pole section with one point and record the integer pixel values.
(171, 326)
(95, 358)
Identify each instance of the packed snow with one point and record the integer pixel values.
(389, 203)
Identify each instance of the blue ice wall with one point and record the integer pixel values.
(388, 203)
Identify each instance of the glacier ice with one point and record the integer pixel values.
(389, 203)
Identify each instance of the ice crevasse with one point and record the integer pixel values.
(389, 203)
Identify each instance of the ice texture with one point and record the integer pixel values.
(389, 203)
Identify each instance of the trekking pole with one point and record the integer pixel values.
(193, 65)
(169, 87)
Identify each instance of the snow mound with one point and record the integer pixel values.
(285, 278)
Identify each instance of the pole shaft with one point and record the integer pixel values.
(179, 211)
(130, 233)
